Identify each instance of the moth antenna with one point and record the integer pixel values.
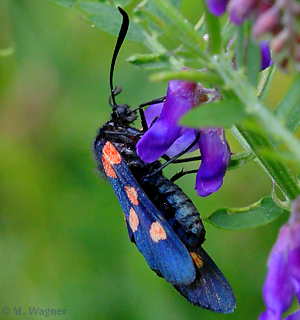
(121, 37)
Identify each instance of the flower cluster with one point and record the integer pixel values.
(165, 136)
(283, 279)
(275, 17)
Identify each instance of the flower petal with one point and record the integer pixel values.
(269, 315)
(183, 142)
(266, 60)
(157, 140)
(215, 158)
(181, 97)
(239, 10)
(153, 112)
(216, 7)
(278, 288)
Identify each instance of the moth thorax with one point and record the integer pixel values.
(123, 113)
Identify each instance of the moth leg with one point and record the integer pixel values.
(141, 110)
(182, 173)
(190, 159)
(171, 160)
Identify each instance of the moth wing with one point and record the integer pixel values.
(210, 290)
(153, 236)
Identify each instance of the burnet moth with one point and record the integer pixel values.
(161, 220)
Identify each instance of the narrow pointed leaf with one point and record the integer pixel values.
(108, 18)
(288, 109)
(240, 46)
(151, 60)
(224, 113)
(189, 75)
(253, 62)
(214, 32)
(239, 159)
(265, 82)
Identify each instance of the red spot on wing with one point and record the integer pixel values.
(197, 259)
(132, 195)
(111, 154)
(157, 232)
(133, 220)
(109, 170)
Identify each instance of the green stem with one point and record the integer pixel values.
(238, 83)
(188, 35)
(155, 46)
(277, 171)
(247, 94)
(241, 158)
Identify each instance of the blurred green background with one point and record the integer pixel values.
(63, 242)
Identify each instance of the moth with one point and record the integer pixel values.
(161, 220)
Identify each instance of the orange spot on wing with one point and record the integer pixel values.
(111, 153)
(197, 259)
(133, 220)
(157, 232)
(132, 195)
(109, 170)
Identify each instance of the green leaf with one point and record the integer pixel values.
(65, 3)
(248, 96)
(240, 47)
(265, 82)
(278, 171)
(288, 109)
(275, 155)
(183, 30)
(109, 19)
(154, 9)
(260, 213)
(189, 75)
(122, 3)
(223, 113)
(214, 32)
(253, 62)
(151, 60)
(155, 16)
(239, 159)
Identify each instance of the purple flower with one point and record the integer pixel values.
(181, 97)
(216, 7)
(283, 279)
(266, 60)
(239, 10)
(166, 137)
(215, 158)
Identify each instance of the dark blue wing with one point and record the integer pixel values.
(155, 239)
(211, 289)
